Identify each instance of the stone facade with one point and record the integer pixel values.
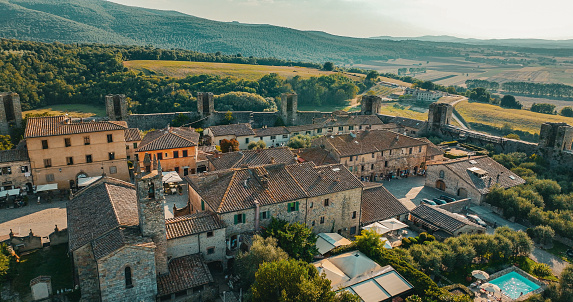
(111, 274)
(436, 175)
(440, 114)
(10, 112)
(370, 104)
(342, 214)
(556, 136)
(87, 273)
(15, 174)
(205, 103)
(116, 107)
(288, 108)
(201, 243)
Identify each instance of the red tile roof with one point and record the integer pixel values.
(184, 273)
(379, 204)
(169, 138)
(132, 135)
(62, 125)
(192, 224)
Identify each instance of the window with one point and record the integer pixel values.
(111, 155)
(24, 169)
(326, 202)
(50, 177)
(128, 280)
(86, 140)
(372, 167)
(240, 218)
(134, 145)
(110, 138)
(151, 190)
(112, 170)
(69, 160)
(265, 215)
(211, 250)
(373, 155)
(44, 144)
(419, 149)
(319, 130)
(362, 167)
(273, 137)
(351, 128)
(126, 147)
(322, 220)
(311, 205)
(285, 135)
(385, 163)
(89, 158)
(159, 155)
(202, 205)
(410, 151)
(292, 206)
(67, 142)
(6, 170)
(360, 127)
(177, 170)
(175, 154)
(352, 230)
(47, 162)
(340, 128)
(210, 234)
(313, 223)
(354, 215)
(350, 169)
(246, 140)
(351, 158)
(185, 154)
(390, 151)
(308, 133)
(442, 173)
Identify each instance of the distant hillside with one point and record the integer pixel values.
(534, 43)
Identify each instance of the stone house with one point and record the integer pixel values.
(132, 141)
(443, 223)
(273, 136)
(410, 127)
(341, 124)
(15, 171)
(325, 198)
(243, 133)
(470, 177)
(376, 154)
(176, 147)
(239, 159)
(379, 204)
(61, 149)
(424, 95)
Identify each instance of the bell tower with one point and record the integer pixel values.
(150, 206)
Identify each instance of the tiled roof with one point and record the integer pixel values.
(132, 135)
(379, 204)
(348, 120)
(252, 158)
(408, 122)
(169, 138)
(192, 224)
(62, 125)
(234, 190)
(367, 142)
(496, 173)
(118, 238)
(318, 156)
(301, 128)
(441, 219)
(99, 208)
(233, 129)
(260, 132)
(13, 155)
(431, 149)
(184, 273)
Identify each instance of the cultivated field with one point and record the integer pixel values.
(73, 110)
(496, 116)
(180, 69)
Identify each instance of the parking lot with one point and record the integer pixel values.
(410, 191)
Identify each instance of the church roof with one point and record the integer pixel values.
(184, 273)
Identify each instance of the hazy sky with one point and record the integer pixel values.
(549, 19)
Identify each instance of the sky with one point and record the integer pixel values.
(483, 19)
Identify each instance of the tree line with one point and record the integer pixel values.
(528, 88)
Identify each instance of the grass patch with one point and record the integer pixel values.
(181, 69)
(527, 265)
(559, 250)
(53, 261)
(496, 116)
(73, 110)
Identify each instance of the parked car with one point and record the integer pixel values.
(439, 201)
(476, 219)
(447, 198)
(429, 202)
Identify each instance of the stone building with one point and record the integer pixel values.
(250, 158)
(288, 108)
(273, 136)
(556, 136)
(15, 171)
(424, 95)
(61, 149)
(243, 133)
(443, 223)
(132, 141)
(439, 115)
(10, 112)
(370, 104)
(176, 147)
(374, 155)
(116, 107)
(470, 177)
(379, 204)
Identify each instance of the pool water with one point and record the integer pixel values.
(514, 285)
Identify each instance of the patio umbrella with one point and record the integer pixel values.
(492, 288)
(377, 227)
(480, 275)
(393, 224)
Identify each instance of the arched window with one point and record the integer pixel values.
(128, 280)
(442, 173)
(151, 193)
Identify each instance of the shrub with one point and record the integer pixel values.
(542, 270)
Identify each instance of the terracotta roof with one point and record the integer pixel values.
(13, 155)
(318, 156)
(62, 125)
(192, 224)
(233, 129)
(252, 158)
(496, 173)
(118, 238)
(132, 135)
(379, 204)
(237, 189)
(408, 122)
(260, 132)
(441, 219)
(184, 273)
(169, 138)
(348, 120)
(300, 128)
(367, 142)
(431, 149)
(99, 208)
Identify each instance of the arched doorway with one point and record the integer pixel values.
(441, 185)
(462, 193)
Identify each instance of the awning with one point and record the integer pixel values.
(86, 181)
(46, 187)
(387, 244)
(325, 242)
(393, 224)
(13, 192)
(171, 177)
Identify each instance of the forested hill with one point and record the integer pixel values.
(99, 21)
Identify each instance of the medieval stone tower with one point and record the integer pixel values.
(556, 136)
(205, 103)
(370, 104)
(116, 107)
(440, 114)
(149, 190)
(10, 112)
(288, 108)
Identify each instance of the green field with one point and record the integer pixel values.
(73, 110)
(181, 69)
(492, 115)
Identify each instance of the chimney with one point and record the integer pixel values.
(257, 214)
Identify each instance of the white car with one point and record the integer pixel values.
(476, 219)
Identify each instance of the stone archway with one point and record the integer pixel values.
(440, 185)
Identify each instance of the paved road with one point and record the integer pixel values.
(410, 191)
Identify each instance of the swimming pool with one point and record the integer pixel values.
(514, 285)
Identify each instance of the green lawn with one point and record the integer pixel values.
(559, 250)
(73, 110)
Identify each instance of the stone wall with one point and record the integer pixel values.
(452, 181)
(458, 206)
(58, 236)
(338, 215)
(199, 243)
(25, 243)
(10, 111)
(262, 119)
(87, 273)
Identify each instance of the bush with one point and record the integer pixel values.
(542, 270)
